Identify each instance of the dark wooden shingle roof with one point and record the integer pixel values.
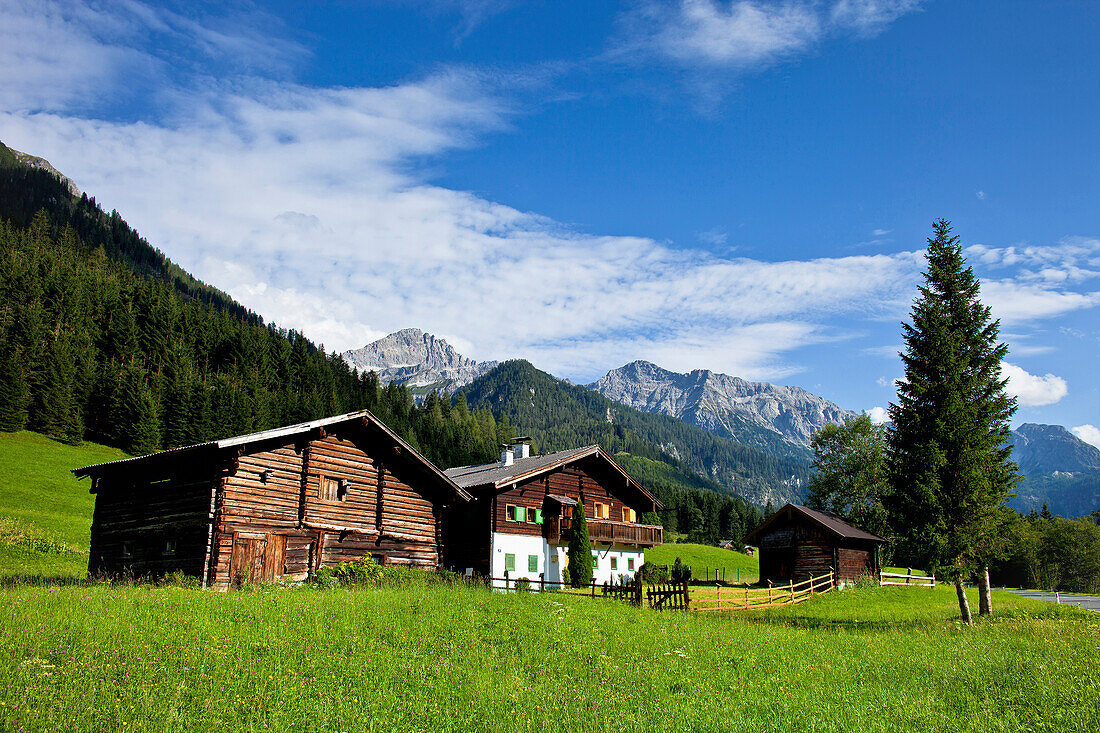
(831, 522)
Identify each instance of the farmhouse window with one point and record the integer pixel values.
(630, 563)
(532, 563)
(567, 512)
(614, 563)
(127, 549)
(532, 515)
(332, 489)
(601, 510)
(595, 561)
(629, 515)
(509, 563)
(510, 512)
(170, 547)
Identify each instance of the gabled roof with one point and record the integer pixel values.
(496, 476)
(829, 521)
(216, 446)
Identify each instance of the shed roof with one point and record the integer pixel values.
(214, 446)
(831, 522)
(496, 476)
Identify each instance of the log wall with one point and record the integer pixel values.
(381, 510)
(136, 519)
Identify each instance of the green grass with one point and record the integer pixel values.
(700, 558)
(449, 659)
(43, 507)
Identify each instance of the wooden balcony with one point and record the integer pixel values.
(556, 530)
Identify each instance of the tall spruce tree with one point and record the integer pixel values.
(948, 453)
(580, 549)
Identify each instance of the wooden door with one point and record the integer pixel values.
(255, 559)
(274, 565)
(247, 561)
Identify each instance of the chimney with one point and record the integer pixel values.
(521, 447)
(506, 456)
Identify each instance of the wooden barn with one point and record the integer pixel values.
(798, 542)
(280, 502)
(519, 520)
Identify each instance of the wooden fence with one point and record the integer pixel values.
(737, 599)
(917, 581)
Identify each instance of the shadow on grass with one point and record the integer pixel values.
(20, 581)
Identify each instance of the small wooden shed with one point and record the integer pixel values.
(798, 542)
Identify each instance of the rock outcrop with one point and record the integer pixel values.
(417, 359)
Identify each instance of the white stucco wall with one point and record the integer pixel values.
(553, 559)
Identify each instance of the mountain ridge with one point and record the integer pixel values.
(721, 403)
(417, 359)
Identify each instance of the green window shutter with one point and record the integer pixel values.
(532, 563)
(538, 516)
(509, 563)
(521, 514)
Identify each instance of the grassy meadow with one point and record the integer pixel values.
(438, 658)
(45, 513)
(738, 566)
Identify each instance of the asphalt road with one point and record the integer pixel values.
(1092, 603)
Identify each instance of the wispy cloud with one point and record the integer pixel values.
(1031, 390)
(743, 34)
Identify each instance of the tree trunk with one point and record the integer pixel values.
(985, 597)
(964, 605)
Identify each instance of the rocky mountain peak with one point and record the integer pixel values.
(418, 359)
(33, 161)
(720, 402)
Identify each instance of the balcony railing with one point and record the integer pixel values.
(603, 530)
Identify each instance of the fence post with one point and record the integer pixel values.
(687, 599)
(746, 595)
(637, 591)
(593, 587)
(542, 582)
(909, 575)
(718, 588)
(792, 589)
(934, 581)
(769, 592)
(505, 580)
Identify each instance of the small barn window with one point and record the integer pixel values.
(614, 563)
(510, 513)
(532, 515)
(379, 558)
(629, 515)
(127, 548)
(265, 475)
(332, 489)
(630, 563)
(532, 563)
(509, 563)
(170, 547)
(342, 490)
(567, 512)
(601, 510)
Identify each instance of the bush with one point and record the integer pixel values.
(680, 573)
(523, 585)
(651, 573)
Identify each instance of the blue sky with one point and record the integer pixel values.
(739, 186)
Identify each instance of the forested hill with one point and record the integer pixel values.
(101, 336)
(559, 415)
(25, 191)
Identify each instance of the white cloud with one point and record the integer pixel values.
(880, 232)
(1031, 390)
(715, 237)
(740, 34)
(1088, 433)
(884, 382)
(878, 415)
(871, 16)
(980, 195)
(1020, 302)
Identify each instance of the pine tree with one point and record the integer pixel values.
(14, 393)
(948, 454)
(580, 549)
